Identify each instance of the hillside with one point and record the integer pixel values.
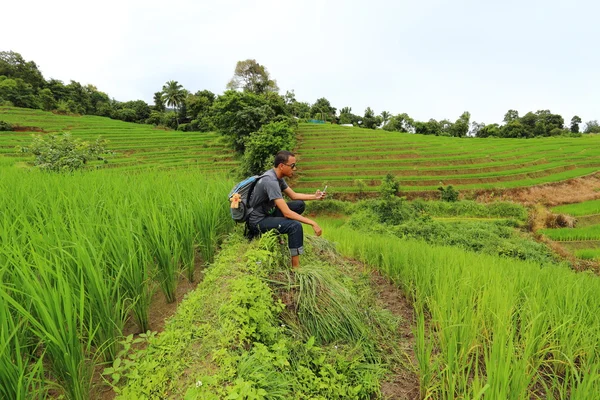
(341, 156)
(136, 145)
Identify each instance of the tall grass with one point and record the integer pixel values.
(81, 253)
(498, 328)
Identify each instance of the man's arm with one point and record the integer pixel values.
(301, 196)
(287, 213)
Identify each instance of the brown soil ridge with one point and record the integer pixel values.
(570, 191)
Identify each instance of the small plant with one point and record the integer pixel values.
(5, 126)
(448, 193)
(64, 153)
(389, 187)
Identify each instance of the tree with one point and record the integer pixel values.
(461, 126)
(159, 101)
(511, 115)
(47, 101)
(385, 117)
(592, 127)
(323, 107)
(370, 121)
(575, 121)
(491, 130)
(400, 123)
(173, 95)
(252, 77)
(12, 65)
(262, 145)
(237, 114)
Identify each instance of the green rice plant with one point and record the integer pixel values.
(579, 209)
(588, 254)
(125, 252)
(591, 232)
(54, 319)
(212, 220)
(21, 376)
(165, 250)
(501, 328)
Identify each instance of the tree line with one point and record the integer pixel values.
(250, 101)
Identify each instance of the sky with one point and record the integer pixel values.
(427, 58)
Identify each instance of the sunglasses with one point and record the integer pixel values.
(292, 165)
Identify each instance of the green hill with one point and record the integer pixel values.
(339, 156)
(136, 145)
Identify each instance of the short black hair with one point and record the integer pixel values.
(282, 156)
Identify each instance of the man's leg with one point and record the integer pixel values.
(296, 206)
(290, 227)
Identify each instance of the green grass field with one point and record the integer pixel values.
(136, 145)
(339, 156)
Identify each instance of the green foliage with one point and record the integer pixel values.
(414, 221)
(238, 114)
(448, 193)
(261, 146)
(229, 339)
(5, 126)
(252, 77)
(489, 324)
(389, 187)
(60, 153)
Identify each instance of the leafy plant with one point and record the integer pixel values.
(64, 153)
(448, 193)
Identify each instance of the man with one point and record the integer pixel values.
(270, 211)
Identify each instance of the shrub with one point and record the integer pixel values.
(64, 153)
(448, 194)
(262, 146)
(5, 126)
(389, 187)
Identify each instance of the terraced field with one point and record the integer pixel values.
(584, 239)
(340, 156)
(136, 146)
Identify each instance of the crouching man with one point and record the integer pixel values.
(271, 211)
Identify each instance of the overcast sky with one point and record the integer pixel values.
(428, 58)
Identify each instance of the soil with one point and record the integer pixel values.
(403, 383)
(551, 194)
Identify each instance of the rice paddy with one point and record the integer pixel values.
(136, 146)
(82, 253)
(342, 156)
(498, 328)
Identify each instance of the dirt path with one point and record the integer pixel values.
(403, 384)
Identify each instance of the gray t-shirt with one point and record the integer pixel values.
(268, 189)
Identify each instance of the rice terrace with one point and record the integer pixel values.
(457, 261)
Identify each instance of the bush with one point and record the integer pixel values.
(5, 126)
(262, 146)
(448, 194)
(64, 153)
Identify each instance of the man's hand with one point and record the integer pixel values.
(317, 229)
(320, 195)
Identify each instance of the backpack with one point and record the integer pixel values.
(239, 198)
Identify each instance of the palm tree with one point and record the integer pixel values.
(385, 116)
(173, 95)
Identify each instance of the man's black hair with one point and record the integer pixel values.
(282, 157)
